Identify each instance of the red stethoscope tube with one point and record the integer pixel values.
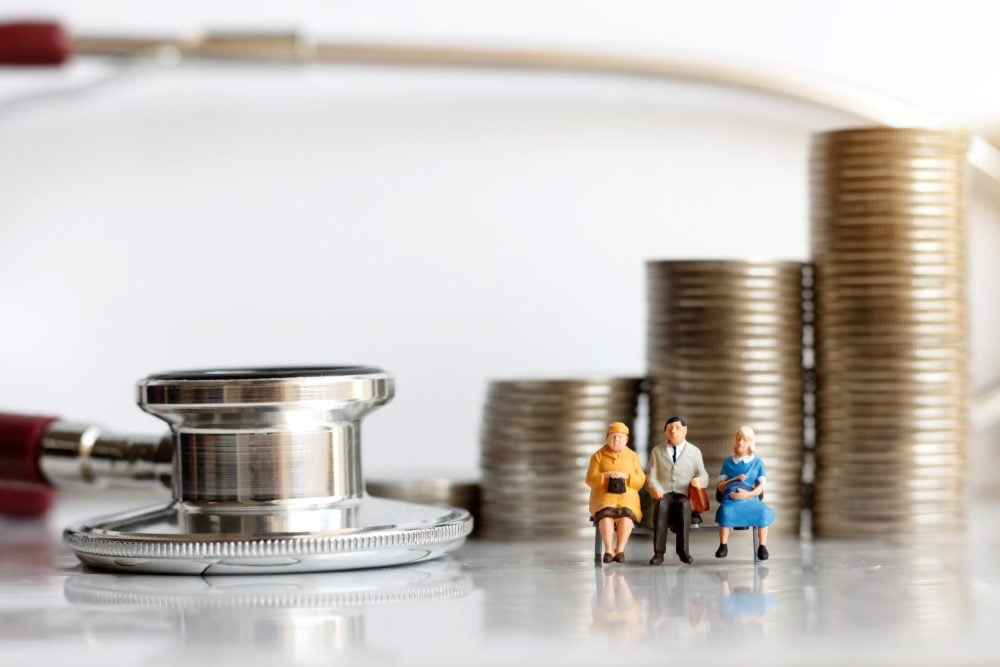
(33, 43)
(24, 491)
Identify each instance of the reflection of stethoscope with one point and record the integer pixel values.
(265, 467)
(301, 616)
(200, 507)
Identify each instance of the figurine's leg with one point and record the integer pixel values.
(660, 527)
(760, 552)
(624, 527)
(681, 519)
(723, 549)
(607, 528)
(762, 535)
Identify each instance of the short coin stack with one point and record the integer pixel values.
(724, 349)
(440, 491)
(536, 442)
(888, 244)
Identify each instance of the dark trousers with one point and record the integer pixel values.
(673, 510)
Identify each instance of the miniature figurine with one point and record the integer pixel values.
(615, 477)
(674, 465)
(741, 483)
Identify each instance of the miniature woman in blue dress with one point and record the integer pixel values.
(741, 484)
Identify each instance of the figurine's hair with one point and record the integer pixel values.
(672, 420)
(617, 427)
(749, 435)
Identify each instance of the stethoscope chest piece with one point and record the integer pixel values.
(267, 478)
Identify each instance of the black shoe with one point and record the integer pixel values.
(722, 551)
(620, 557)
(762, 553)
(695, 519)
(608, 557)
(657, 559)
(685, 558)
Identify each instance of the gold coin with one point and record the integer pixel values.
(743, 266)
(883, 303)
(826, 177)
(891, 238)
(899, 160)
(510, 447)
(884, 208)
(879, 482)
(947, 463)
(535, 425)
(898, 155)
(554, 413)
(542, 402)
(606, 393)
(539, 488)
(523, 447)
(878, 133)
(682, 362)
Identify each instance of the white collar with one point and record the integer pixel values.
(742, 459)
(678, 447)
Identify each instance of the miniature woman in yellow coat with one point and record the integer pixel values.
(615, 504)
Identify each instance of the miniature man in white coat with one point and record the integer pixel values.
(673, 466)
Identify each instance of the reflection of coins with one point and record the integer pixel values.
(910, 490)
(891, 329)
(724, 348)
(537, 437)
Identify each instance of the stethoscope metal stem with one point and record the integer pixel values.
(75, 455)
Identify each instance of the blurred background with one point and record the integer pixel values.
(449, 226)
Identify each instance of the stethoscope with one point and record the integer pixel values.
(264, 464)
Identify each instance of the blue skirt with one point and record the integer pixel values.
(734, 513)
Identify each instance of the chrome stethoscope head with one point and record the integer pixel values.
(266, 477)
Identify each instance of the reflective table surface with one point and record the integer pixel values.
(814, 602)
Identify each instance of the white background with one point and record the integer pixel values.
(450, 227)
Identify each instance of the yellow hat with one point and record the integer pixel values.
(617, 427)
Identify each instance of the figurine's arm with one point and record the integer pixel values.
(702, 473)
(758, 486)
(758, 489)
(725, 479)
(653, 477)
(595, 477)
(636, 478)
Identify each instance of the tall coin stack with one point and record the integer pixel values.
(724, 349)
(888, 242)
(536, 442)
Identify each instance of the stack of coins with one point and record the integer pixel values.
(724, 349)
(888, 242)
(440, 491)
(537, 439)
